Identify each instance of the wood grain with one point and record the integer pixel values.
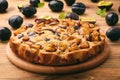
(110, 70)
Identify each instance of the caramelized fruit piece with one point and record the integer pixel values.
(88, 19)
(29, 25)
(51, 30)
(20, 36)
(84, 45)
(31, 33)
(50, 48)
(74, 47)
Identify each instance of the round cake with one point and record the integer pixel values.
(57, 41)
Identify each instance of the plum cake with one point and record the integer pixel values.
(57, 41)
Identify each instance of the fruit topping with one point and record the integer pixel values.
(38, 21)
(78, 8)
(31, 33)
(15, 21)
(74, 47)
(105, 5)
(56, 5)
(47, 39)
(50, 48)
(84, 45)
(3, 5)
(51, 30)
(20, 36)
(25, 38)
(62, 46)
(111, 18)
(72, 16)
(91, 25)
(113, 33)
(40, 33)
(50, 21)
(76, 27)
(90, 37)
(5, 34)
(34, 2)
(88, 19)
(28, 25)
(69, 2)
(28, 10)
(94, 36)
(19, 30)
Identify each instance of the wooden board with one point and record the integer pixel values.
(57, 69)
(110, 70)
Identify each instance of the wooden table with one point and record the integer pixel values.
(109, 70)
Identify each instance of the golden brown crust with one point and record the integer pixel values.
(59, 44)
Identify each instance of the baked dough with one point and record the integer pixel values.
(57, 42)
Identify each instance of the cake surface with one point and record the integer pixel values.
(57, 42)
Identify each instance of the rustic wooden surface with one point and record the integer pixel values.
(110, 70)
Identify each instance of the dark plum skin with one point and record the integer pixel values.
(56, 5)
(94, 0)
(78, 8)
(113, 33)
(69, 2)
(105, 5)
(3, 5)
(34, 2)
(111, 18)
(47, 0)
(72, 16)
(15, 21)
(29, 25)
(5, 34)
(28, 11)
(119, 9)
